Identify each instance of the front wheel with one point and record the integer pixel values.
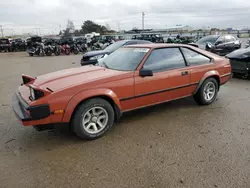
(48, 53)
(93, 118)
(207, 93)
(57, 53)
(76, 52)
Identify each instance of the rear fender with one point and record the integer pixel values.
(78, 98)
(208, 74)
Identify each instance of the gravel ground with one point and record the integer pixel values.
(175, 145)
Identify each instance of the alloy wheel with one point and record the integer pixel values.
(95, 120)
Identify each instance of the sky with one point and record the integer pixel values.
(47, 16)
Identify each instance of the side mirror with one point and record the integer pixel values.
(145, 72)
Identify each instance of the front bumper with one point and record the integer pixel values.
(25, 113)
(88, 62)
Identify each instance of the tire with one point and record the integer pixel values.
(76, 52)
(85, 110)
(67, 52)
(200, 98)
(30, 54)
(57, 53)
(48, 53)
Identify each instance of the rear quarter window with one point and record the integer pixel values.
(194, 58)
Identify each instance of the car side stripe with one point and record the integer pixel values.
(157, 92)
(225, 75)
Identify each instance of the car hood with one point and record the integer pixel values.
(95, 53)
(240, 54)
(75, 76)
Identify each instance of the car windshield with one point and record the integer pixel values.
(124, 59)
(115, 46)
(212, 39)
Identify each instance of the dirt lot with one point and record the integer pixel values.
(178, 144)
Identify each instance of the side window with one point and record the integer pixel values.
(195, 58)
(164, 59)
(220, 40)
(229, 38)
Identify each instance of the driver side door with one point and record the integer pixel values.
(170, 80)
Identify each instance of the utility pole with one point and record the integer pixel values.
(1, 30)
(118, 26)
(143, 14)
(60, 27)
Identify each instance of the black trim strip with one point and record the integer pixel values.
(225, 75)
(157, 92)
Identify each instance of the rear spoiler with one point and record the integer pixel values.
(27, 79)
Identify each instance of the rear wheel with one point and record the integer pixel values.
(67, 52)
(49, 53)
(93, 118)
(207, 93)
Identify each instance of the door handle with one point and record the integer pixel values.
(184, 73)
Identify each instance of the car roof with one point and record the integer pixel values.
(158, 45)
(163, 45)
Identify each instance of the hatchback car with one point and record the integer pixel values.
(91, 98)
(220, 45)
(92, 57)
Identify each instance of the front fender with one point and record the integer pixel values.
(212, 73)
(78, 98)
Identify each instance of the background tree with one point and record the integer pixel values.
(90, 26)
(70, 29)
(108, 26)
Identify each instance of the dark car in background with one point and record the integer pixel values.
(18, 44)
(240, 62)
(153, 37)
(219, 44)
(5, 45)
(94, 56)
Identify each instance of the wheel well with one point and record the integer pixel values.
(110, 100)
(217, 78)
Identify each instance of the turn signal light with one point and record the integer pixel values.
(58, 112)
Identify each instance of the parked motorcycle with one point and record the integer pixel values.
(48, 50)
(97, 46)
(65, 49)
(57, 50)
(36, 50)
(82, 47)
(74, 49)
